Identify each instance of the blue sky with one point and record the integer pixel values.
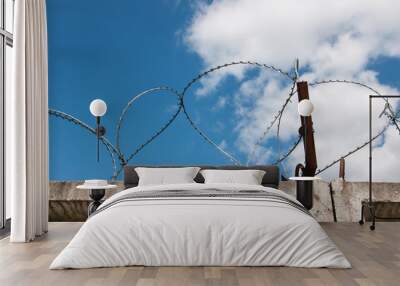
(112, 52)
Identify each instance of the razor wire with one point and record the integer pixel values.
(214, 69)
(208, 140)
(182, 107)
(393, 120)
(288, 99)
(352, 151)
(110, 148)
(219, 67)
(129, 104)
(276, 118)
(289, 152)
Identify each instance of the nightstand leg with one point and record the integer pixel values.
(96, 195)
(93, 207)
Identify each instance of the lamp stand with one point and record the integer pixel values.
(100, 132)
(370, 205)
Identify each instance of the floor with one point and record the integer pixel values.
(375, 257)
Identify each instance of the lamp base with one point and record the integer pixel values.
(100, 131)
(96, 195)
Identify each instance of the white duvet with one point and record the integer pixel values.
(200, 231)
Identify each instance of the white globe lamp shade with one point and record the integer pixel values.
(98, 107)
(305, 107)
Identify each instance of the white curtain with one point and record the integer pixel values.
(27, 124)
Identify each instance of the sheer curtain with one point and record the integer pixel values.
(27, 124)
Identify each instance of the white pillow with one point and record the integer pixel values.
(248, 177)
(163, 176)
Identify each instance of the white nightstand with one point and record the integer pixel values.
(304, 178)
(97, 190)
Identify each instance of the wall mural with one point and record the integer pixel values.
(113, 52)
(119, 158)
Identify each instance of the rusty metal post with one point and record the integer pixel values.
(304, 189)
(308, 134)
(342, 170)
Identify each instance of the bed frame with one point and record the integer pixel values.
(270, 179)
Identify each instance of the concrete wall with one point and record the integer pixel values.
(347, 197)
(69, 203)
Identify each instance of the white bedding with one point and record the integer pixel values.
(200, 231)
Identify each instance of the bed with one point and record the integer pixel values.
(198, 224)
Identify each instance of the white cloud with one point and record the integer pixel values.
(223, 144)
(332, 39)
(221, 103)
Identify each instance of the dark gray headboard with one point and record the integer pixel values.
(271, 177)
